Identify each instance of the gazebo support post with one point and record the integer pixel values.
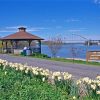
(12, 49)
(16, 43)
(29, 43)
(39, 46)
(2, 47)
(6, 47)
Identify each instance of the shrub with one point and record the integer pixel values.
(40, 55)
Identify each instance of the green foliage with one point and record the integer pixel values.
(22, 53)
(17, 85)
(39, 55)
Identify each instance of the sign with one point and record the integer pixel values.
(93, 55)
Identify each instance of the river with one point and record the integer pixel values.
(67, 52)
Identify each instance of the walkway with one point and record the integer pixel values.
(78, 70)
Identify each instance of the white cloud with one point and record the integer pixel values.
(58, 27)
(97, 1)
(72, 20)
(50, 20)
(74, 30)
(15, 28)
(83, 29)
(2, 31)
(77, 30)
(32, 29)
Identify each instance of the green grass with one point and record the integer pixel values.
(67, 60)
(43, 56)
(75, 61)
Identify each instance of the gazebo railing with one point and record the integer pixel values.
(19, 50)
(36, 50)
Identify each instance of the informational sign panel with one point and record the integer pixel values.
(93, 55)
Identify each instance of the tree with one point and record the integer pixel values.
(75, 51)
(54, 44)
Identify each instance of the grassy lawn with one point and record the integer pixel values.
(75, 61)
(43, 56)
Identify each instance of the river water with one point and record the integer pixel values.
(68, 50)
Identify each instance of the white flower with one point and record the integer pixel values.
(69, 76)
(98, 81)
(98, 92)
(78, 82)
(94, 81)
(86, 79)
(43, 79)
(26, 71)
(56, 73)
(35, 72)
(59, 78)
(99, 84)
(74, 97)
(16, 68)
(93, 86)
(98, 77)
(89, 81)
(5, 73)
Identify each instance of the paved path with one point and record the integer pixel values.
(78, 70)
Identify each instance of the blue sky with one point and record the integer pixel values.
(47, 18)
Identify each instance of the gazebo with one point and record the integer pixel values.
(21, 35)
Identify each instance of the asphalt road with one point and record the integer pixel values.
(78, 70)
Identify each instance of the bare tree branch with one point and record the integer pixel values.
(55, 44)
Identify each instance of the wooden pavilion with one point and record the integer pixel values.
(21, 35)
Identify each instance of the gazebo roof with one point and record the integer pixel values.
(22, 35)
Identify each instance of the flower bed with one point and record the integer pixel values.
(22, 82)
